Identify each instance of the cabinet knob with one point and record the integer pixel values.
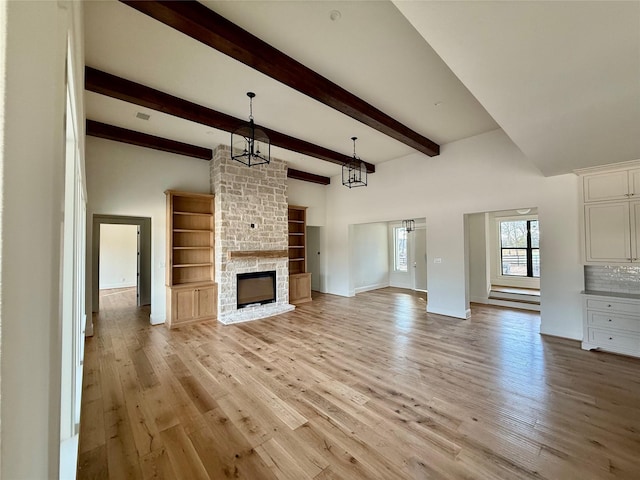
(610, 338)
(609, 319)
(609, 305)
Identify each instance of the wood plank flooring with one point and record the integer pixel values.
(369, 387)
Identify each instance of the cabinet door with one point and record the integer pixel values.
(634, 183)
(607, 232)
(300, 288)
(635, 230)
(183, 305)
(206, 301)
(606, 186)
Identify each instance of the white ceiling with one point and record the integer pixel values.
(561, 79)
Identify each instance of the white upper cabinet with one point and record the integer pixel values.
(611, 212)
(634, 183)
(607, 186)
(635, 230)
(608, 232)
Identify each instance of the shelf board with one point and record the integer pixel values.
(296, 234)
(186, 265)
(192, 248)
(296, 221)
(295, 246)
(296, 259)
(187, 230)
(201, 281)
(194, 213)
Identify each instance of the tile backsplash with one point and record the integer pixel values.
(609, 278)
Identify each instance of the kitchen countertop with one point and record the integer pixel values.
(631, 296)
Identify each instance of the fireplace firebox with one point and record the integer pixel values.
(256, 288)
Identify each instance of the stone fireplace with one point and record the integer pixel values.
(250, 232)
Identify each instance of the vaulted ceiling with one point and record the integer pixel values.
(560, 82)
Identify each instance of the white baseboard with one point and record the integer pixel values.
(69, 458)
(88, 325)
(479, 300)
(368, 288)
(448, 313)
(117, 285)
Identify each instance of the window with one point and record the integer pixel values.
(399, 249)
(520, 248)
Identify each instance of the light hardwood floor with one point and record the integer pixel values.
(369, 387)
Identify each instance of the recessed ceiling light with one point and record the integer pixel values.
(523, 211)
(335, 15)
(143, 116)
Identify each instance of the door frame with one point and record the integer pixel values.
(144, 258)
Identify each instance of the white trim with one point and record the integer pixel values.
(156, 320)
(483, 300)
(109, 286)
(449, 313)
(495, 245)
(368, 288)
(608, 168)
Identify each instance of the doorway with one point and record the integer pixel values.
(502, 258)
(408, 256)
(142, 280)
(119, 266)
(314, 265)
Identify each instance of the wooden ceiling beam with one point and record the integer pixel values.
(107, 84)
(131, 137)
(307, 177)
(119, 134)
(203, 24)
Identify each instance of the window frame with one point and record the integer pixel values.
(529, 248)
(494, 247)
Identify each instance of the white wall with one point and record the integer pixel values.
(478, 257)
(310, 195)
(370, 256)
(483, 173)
(118, 255)
(128, 180)
(314, 197)
(32, 202)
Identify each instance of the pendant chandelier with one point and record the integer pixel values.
(255, 144)
(409, 225)
(354, 172)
